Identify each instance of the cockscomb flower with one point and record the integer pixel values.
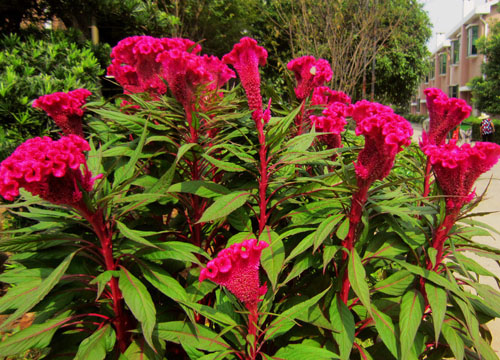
(65, 109)
(309, 73)
(219, 72)
(48, 168)
(457, 168)
(323, 95)
(444, 113)
(134, 63)
(333, 121)
(385, 132)
(237, 268)
(246, 57)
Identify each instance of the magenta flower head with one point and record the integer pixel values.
(309, 73)
(323, 95)
(219, 72)
(333, 121)
(237, 268)
(246, 57)
(65, 109)
(444, 115)
(134, 63)
(48, 168)
(457, 168)
(385, 132)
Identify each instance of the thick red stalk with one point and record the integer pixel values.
(427, 178)
(357, 204)
(104, 234)
(439, 238)
(263, 178)
(253, 318)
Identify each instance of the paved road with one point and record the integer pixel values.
(490, 203)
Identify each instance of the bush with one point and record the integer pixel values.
(36, 65)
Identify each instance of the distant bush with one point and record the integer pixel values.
(36, 65)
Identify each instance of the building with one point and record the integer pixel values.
(457, 60)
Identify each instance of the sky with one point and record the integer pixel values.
(444, 15)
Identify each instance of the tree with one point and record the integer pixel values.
(486, 91)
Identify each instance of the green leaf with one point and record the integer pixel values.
(175, 250)
(195, 335)
(224, 165)
(224, 205)
(102, 280)
(303, 263)
(343, 323)
(357, 274)
(34, 295)
(285, 320)
(273, 256)
(97, 345)
(454, 340)
(410, 317)
(139, 350)
(386, 330)
(205, 189)
(302, 352)
(343, 229)
(396, 284)
(162, 280)
(135, 235)
(36, 336)
(324, 230)
(437, 298)
(139, 301)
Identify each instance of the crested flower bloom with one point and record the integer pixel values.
(246, 57)
(219, 72)
(323, 95)
(309, 73)
(444, 114)
(237, 268)
(333, 121)
(48, 168)
(134, 63)
(457, 168)
(385, 132)
(65, 109)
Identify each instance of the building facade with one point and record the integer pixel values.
(457, 60)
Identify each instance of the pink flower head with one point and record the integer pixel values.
(48, 168)
(183, 72)
(385, 132)
(65, 109)
(332, 122)
(309, 73)
(457, 168)
(134, 63)
(237, 268)
(323, 95)
(219, 72)
(246, 57)
(444, 115)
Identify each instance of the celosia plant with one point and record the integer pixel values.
(65, 109)
(309, 74)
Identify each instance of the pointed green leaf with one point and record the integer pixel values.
(386, 330)
(205, 189)
(454, 340)
(195, 335)
(135, 235)
(139, 350)
(97, 345)
(324, 230)
(225, 205)
(224, 165)
(437, 298)
(343, 323)
(396, 284)
(302, 352)
(357, 274)
(410, 316)
(273, 256)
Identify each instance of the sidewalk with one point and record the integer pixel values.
(490, 203)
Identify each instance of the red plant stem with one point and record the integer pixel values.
(104, 234)
(357, 203)
(427, 178)
(264, 176)
(253, 319)
(439, 238)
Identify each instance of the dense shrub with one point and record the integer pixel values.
(36, 65)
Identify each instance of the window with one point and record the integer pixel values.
(432, 74)
(472, 35)
(455, 51)
(453, 91)
(442, 64)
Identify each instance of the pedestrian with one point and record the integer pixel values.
(487, 128)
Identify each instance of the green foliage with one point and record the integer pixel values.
(32, 67)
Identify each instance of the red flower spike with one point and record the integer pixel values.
(237, 268)
(385, 132)
(246, 57)
(323, 95)
(309, 73)
(444, 114)
(134, 63)
(457, 168)
(48, 168)
(65, 109)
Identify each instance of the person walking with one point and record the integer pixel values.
(487, 128)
